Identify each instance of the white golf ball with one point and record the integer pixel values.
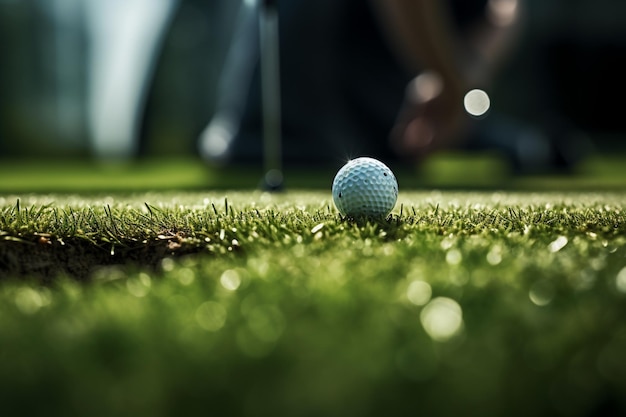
(365, 187)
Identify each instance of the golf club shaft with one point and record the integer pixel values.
(270, 85)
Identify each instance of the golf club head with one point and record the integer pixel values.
(273, 181)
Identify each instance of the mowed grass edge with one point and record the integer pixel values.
(260, 304)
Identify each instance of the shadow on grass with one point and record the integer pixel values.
(45, 260)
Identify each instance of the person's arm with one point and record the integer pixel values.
(422, 35)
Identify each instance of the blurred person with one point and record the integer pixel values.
(125, 38)
(455, 47)
(385, 78)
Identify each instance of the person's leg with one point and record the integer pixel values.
(125, 37)
(216, 142)
(341, 86)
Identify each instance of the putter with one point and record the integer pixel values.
(270, 95)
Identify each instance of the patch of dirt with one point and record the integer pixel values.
(45, 260)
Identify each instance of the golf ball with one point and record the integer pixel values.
(365, 187)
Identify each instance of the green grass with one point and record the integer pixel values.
(446, 171)
(246, 303)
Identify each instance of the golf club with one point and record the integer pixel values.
(270, 95)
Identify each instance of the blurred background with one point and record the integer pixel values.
(122, 78)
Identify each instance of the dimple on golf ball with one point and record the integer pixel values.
(365, 187)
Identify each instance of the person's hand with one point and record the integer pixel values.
(432, 117)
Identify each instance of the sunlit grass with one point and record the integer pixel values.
(447, 171)
(248, 303)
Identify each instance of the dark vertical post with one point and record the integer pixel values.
(270, 94)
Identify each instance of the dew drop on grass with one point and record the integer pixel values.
(541, 293)
(29, 301)
(442, 318)
(454, 257)
(230, 279)
(140, 286)
(186, 276)
(168, 264)
(211, 316)
(620, 281)
(494, 256)
(598, 263)
(448, 242)
(259, 266)
(317, 228)
(145, 279)
(557, 244)
(419, 292)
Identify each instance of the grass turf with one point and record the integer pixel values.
(245, 303)
(446, 171)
